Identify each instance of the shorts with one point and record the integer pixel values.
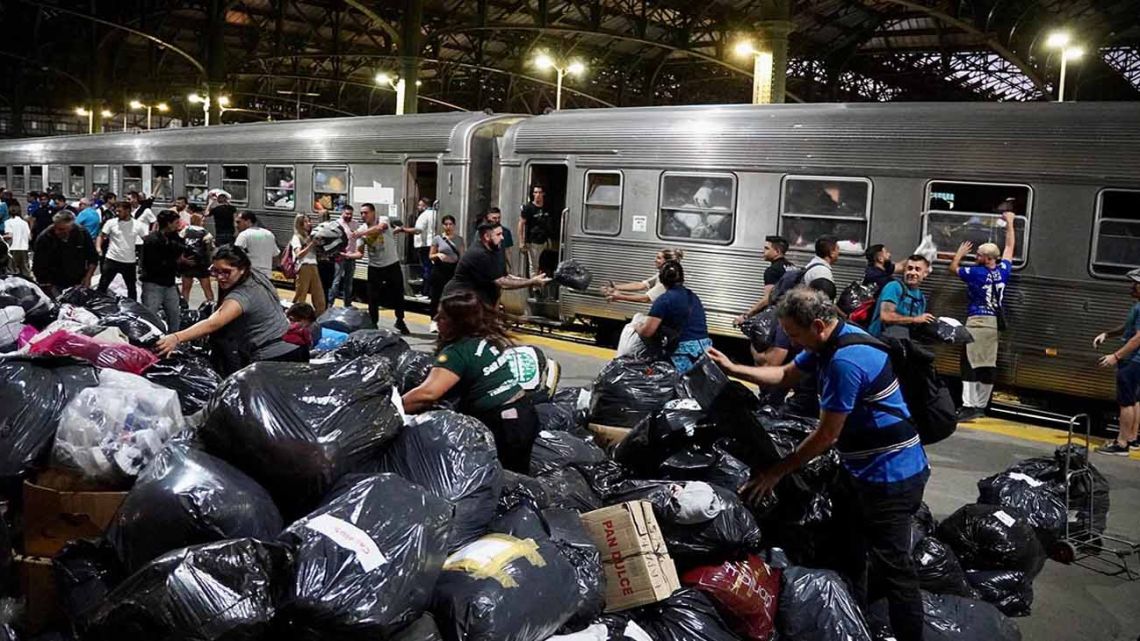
(1128, 383)
(984, 350)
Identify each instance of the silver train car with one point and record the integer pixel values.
(713, 180)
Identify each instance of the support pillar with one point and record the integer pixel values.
(411, 43)
(771, 61)
(215, 57)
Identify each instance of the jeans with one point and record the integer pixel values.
(877, 519)
(385, 287)
(440, 276)
(112, 267)
(163, 299)
(327, 271)
(342, 282)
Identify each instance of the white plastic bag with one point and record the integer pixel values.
(77, 314)
(630, 343)
(113, 430)
(927, 248)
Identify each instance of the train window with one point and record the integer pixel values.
(76, 181)
(602, 210)
(4, 177)
(280, 187)
(697, 207)
(235, 180)
(197, 183)
(55, 179)
(101, 178)
(957, 212)
(162, 183)
(330, 188)
(132, 179)
(18, 183)
(35, 178)
(815, 206)
(1116, 236)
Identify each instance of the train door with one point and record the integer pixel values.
(551, 179)
(421, 180)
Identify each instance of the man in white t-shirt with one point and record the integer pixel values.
(141, 213)
(424, 231)
(257, 241)
(119, 238)
(18, 235)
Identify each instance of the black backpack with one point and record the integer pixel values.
(931, 408)
(792, 277)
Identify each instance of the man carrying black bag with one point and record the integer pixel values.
(864, 415)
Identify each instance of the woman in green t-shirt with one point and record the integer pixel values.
(472, 359)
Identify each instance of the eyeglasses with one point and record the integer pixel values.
(218, 271)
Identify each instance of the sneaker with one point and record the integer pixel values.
(1134, 445)
(433, 328)
(966, 414)
(403, 327)
(1113, 449)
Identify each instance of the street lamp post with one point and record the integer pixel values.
(762, 69)
(90, 113)
(223, 102)
(1061, 40)
(544, 61)
(398, 85)
(162, 107)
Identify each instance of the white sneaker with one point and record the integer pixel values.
(433, 328)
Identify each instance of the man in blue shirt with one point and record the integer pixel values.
(1127, 362)
(863, 414)
(985, 286)
(902, 303)
(89, 218)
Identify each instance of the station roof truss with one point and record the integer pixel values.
(313, 58)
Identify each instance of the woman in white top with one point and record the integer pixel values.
(446, 249)
(308, 282)
(642, 291)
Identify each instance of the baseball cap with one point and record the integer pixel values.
(1134, 275)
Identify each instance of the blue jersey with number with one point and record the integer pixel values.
(985, 287)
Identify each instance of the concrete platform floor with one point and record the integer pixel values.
(1074, 602)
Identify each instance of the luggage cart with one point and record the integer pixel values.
(1081, 542)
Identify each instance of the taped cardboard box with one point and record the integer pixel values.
(608, 436)
(60, 507)
(37, 583)
(638, 568)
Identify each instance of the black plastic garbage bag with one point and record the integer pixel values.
(605, 478)
(412, 369)
(561, 417)
(738, 415)
(576, 399)
(1041, 503)
(703, 383)
(855, 295)
(938, 569)
(424, 629)
(952, 618)
(218, 591)
(942, 330)
(574, 542)
(33, 393)
(679, 424)
(198, 346)
(330, 239)
(452, 456)
(628, 390)
(190, 376)
(1090, 487)
(687, 615)
(988, 537)
(345, 319)
(573, 274)
(922, 524)
(701, 523)
(499, 588)
(709, 463)
(85, 572)
(760, 329)
(187, 497)
(816, 606)
(366, 560)
(518, 488)
(523, 521)
(140, 325)
(28, 295)
(554, 450)
(568, 488)
(1011, 591)
(370, 342)
(296, 427)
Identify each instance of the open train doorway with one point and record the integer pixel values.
(421, 178)
(541, 245)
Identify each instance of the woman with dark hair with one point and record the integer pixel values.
(444, 253)
(248, 325)
(676, 321)
(472, 361)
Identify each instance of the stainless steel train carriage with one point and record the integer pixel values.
(716, 180)
(280, 169)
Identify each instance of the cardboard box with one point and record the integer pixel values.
(638, 568)
(608, 436)
(59, 507)
(38, 587)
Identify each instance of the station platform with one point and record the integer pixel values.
(1080, 601)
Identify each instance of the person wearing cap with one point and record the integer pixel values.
(880, 270)
(1126, 359)
(985, 287)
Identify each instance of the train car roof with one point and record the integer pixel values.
(323, 140)
(1080, 140)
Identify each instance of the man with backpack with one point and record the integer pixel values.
(864, 415)
(901, 303)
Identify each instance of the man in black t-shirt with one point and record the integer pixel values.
(880, 270)
(534, 229)
(774, 249)
(481, 270)
(223, 214)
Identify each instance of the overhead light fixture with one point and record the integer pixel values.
(1058, 40)
(744, 48)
